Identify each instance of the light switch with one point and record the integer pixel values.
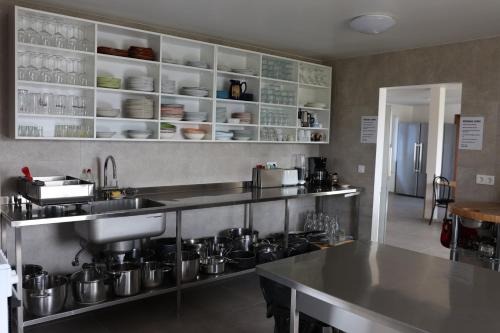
(361, 168)
(485, 180)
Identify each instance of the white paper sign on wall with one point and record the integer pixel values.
(471, 133)
(369, 126)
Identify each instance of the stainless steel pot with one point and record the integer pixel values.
(234, 233)
(153, 274)
(30, 271)
(89, 285)
(190, 266)
(213, 265)
(46, 301)
(126, 278)
(217, 245)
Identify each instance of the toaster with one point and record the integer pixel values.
(289, 177)
(267, 177)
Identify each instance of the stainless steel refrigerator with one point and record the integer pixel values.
(411, 157)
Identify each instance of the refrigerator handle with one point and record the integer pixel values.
(415, 166)
(420, 149)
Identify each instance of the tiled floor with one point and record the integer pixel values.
(233, 305)
(406, 227)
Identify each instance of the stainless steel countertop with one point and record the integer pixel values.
(175, 198)
(396, 287)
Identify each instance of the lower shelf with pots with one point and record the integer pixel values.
(72, 308)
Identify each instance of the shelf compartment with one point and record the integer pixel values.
(120, 126)
(116, 99)
(51, 127)
(57, 101)
(321, 118)
(187, 78)
(279, 68)
(25, 83)
(186, 68)
(277, 134)
(119, 68)
(123, 38)
(314, 76)
(278, 116)
(229, 58)
(183, 50)
(252, 132)
(207, 127)
(225, 109)
(84, 29)
(253, 83)
(306, 134)
(314, 95)
(190, 104)
(126, 60)
(279, 93)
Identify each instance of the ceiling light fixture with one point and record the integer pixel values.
(372, 24)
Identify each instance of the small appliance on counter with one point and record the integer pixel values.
(289, 177)
(263, 178)
(300, 166)
(317, 174)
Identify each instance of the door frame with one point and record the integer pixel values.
(380, 186)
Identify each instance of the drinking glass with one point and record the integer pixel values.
(83, 42)
(59, 69)
(72, 34)
(60, 35)
(22, 34)
(46, 32)
(32, 35)
(22, 101)
(46, 68)
(22, 68)
(82, 72)
(44, 103)
(33, 68)
(60, 104)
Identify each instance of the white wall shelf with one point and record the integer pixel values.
(278, 85)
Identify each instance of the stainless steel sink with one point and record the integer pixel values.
(98, 207)
(130, 224)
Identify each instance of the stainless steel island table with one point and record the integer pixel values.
(370, 287)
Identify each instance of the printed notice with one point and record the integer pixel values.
(471, 133)
(369, 129)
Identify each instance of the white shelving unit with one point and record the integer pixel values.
(277, 87)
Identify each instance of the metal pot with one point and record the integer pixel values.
(165, 246)
(190, 266)
(235, 233)
(243, 259)
(127, 278)
(213, 265)
(48, 300)
(217, 245)
(268, 252)
(89, 285)
(153, 274)
(195, 244)
(30, 271)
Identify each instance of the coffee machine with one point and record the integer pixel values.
(317, 173)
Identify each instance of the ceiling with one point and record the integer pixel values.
(421, 96)
(316, 29)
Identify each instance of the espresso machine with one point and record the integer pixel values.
(317, 173)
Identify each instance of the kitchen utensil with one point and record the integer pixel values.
(217, 245)
(153, 273)
(267, 252)
(89, 285)
(104, 135)
(472, 224)
(30, 271)
(136, 134)
(234, 233)
(26, 172)
(107, 112)
(190, 266)
(48, 300)
(164, 247)
(242, 259)
(126, 278)
(197, 244)
(193, 133)
(297, 246)
(213, 265)
(236, 89)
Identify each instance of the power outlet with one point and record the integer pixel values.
(485, 180)
(361, 168)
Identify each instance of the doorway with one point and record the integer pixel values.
(416, 141)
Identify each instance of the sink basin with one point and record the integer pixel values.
(131, 224)
(99, 207)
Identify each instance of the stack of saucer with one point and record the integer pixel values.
(172, 111)
(223, 135)
(198, 64)
(194, 91)
(141, 83)
(195, 116)
(139, 108)
(221, 114)
(244, 71)
(244, 117)
(109, 82)
(242, 135)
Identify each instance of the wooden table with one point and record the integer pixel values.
(479, 211)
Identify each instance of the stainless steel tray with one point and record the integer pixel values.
(56, 190)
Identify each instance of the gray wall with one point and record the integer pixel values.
(139, 164)
(475, 64)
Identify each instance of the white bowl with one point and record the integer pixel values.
(107, 112)
(134, 134)
(167, 135)
(193, 136)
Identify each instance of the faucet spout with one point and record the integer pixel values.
(115, 177)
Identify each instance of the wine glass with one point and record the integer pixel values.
(60, 34)
(46, 32)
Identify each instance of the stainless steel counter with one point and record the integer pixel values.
(370, 287)
(174, 198)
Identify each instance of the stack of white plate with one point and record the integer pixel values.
(242, 135)
(168, 86)
(194, 91)
(315, 105)
(221, 114)
(141, 83)
(198, 64)
(107, 112)
(223, 135)
(139, 108)
(137, 134)
(195, 116)
(245, 71)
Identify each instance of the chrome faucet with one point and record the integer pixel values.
(115, 179)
